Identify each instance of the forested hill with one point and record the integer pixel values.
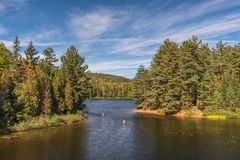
(109, 86)
(110, 78)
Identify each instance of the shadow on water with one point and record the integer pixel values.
(104, 136)
(64, 142)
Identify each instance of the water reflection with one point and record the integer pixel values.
(56, 143)
(104, 136)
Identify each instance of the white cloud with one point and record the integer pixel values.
(136, 47)
(178, 25)
(93, 24)
(146, 29)
(217, 26)
(43, 37)
(164, 20)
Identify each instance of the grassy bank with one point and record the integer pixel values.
(110, 98)
(222, 113)
(47, 121)
(195, 112)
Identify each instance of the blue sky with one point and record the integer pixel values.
(117, 36)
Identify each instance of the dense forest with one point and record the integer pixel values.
(31, 87)
(190, 74)
(104, 86)
(181, 76)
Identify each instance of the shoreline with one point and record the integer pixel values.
(15, 134)
(110, 99)
(147, 111)
(183, 114)
(43, 122)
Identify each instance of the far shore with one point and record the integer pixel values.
(184, 113)
(147, 111)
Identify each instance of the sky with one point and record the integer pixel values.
(114, 36)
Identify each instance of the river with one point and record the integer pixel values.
(103, 136)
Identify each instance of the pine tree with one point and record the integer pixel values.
(8, 100)
(207, 90)
(58, 95)
(28, 95)
(48, 99)
(47, 63)
(31, 55)
(69, 98)
(166, 77)
(6, 58)
(50, 56)
(236, 60)
(190, 69)
(141, 85)
(16, 49)
(74, 72)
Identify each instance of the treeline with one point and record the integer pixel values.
(31, 86)
(190, 74)
(104, 86)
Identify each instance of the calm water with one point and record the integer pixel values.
(143, 137)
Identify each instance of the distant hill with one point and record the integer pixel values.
(109, 77)
(106, 86)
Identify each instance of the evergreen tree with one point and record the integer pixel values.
(16, 48)
(8, 100)
(74, 72)
(69, 98)
(141, 86)
(166, 77)
(190, 69)
(47, 64)
(28, 95)
(236, 60)
(6, 58)
(31, 55)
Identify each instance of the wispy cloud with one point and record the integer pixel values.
(130, 33)
(43, 37)
(116, 65)
(11, 4)
(180, 24)
(94, 24)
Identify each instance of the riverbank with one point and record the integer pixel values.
(148, 111)
(44, 122)
(110, 98)
(196, 113)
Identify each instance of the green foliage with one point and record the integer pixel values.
(31, 54)
(31, 88)
(47, 63)
(166, 77)
(6, 58)
(141, 86)
(16, 49)
(8, 104)
(73, 72)
(109, 86)
(192, 75)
